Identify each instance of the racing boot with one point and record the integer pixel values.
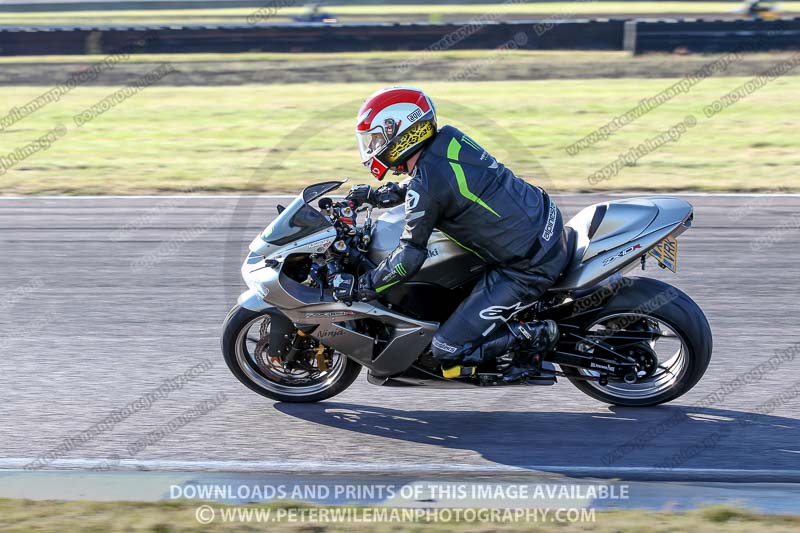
(536, 339)
(454, 368)
(463, 366)
(530, 337)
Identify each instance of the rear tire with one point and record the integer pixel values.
(680, 313)
(243, 365)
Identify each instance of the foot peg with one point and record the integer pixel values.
(531, 375)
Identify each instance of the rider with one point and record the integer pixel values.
(457, 187)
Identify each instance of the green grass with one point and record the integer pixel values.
(276, 138)
(179, 516)
(352, 13)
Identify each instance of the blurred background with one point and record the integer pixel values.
(241, 75)
(107, 291)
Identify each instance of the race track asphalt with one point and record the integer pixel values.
(103, 299)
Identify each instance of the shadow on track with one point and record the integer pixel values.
(665, 438)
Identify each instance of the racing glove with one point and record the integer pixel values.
(345, 289)
(385, 196)
(361, 194)
(390, 195)
(366, 292)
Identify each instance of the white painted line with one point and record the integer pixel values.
(156, 197)
(253, 466)
(696, 194)
(301, 467)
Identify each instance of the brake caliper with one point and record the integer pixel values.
(322, 360)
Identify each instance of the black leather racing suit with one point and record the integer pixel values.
(460, 189)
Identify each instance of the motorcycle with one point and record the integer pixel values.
(632, 341)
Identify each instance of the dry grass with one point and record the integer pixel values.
(56, 516)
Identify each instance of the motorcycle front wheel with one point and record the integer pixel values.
(245, 343)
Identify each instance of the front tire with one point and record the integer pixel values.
(657, 303)
(245, 354)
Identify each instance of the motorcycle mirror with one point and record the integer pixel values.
(325, 203)
(281, 209)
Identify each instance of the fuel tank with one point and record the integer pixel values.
(448, 265)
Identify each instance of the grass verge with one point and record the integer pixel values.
(377, 67)
(277, 138)
(164, 517)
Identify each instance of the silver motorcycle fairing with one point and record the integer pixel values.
(408, 338)
(612, 236)
(306, 306)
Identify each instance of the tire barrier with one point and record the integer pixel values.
(712, 36)
(549, 34)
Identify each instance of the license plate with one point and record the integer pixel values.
(666, 253)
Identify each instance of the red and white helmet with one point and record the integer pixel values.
(392, 125)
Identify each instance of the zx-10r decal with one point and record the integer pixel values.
(623, 253)
(329, 314)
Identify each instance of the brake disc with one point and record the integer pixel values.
(261, 351)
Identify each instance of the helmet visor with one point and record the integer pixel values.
(370, 142)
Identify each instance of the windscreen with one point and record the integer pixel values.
(312, 192)
(297, 221)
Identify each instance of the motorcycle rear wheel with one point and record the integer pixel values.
(650, 303)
